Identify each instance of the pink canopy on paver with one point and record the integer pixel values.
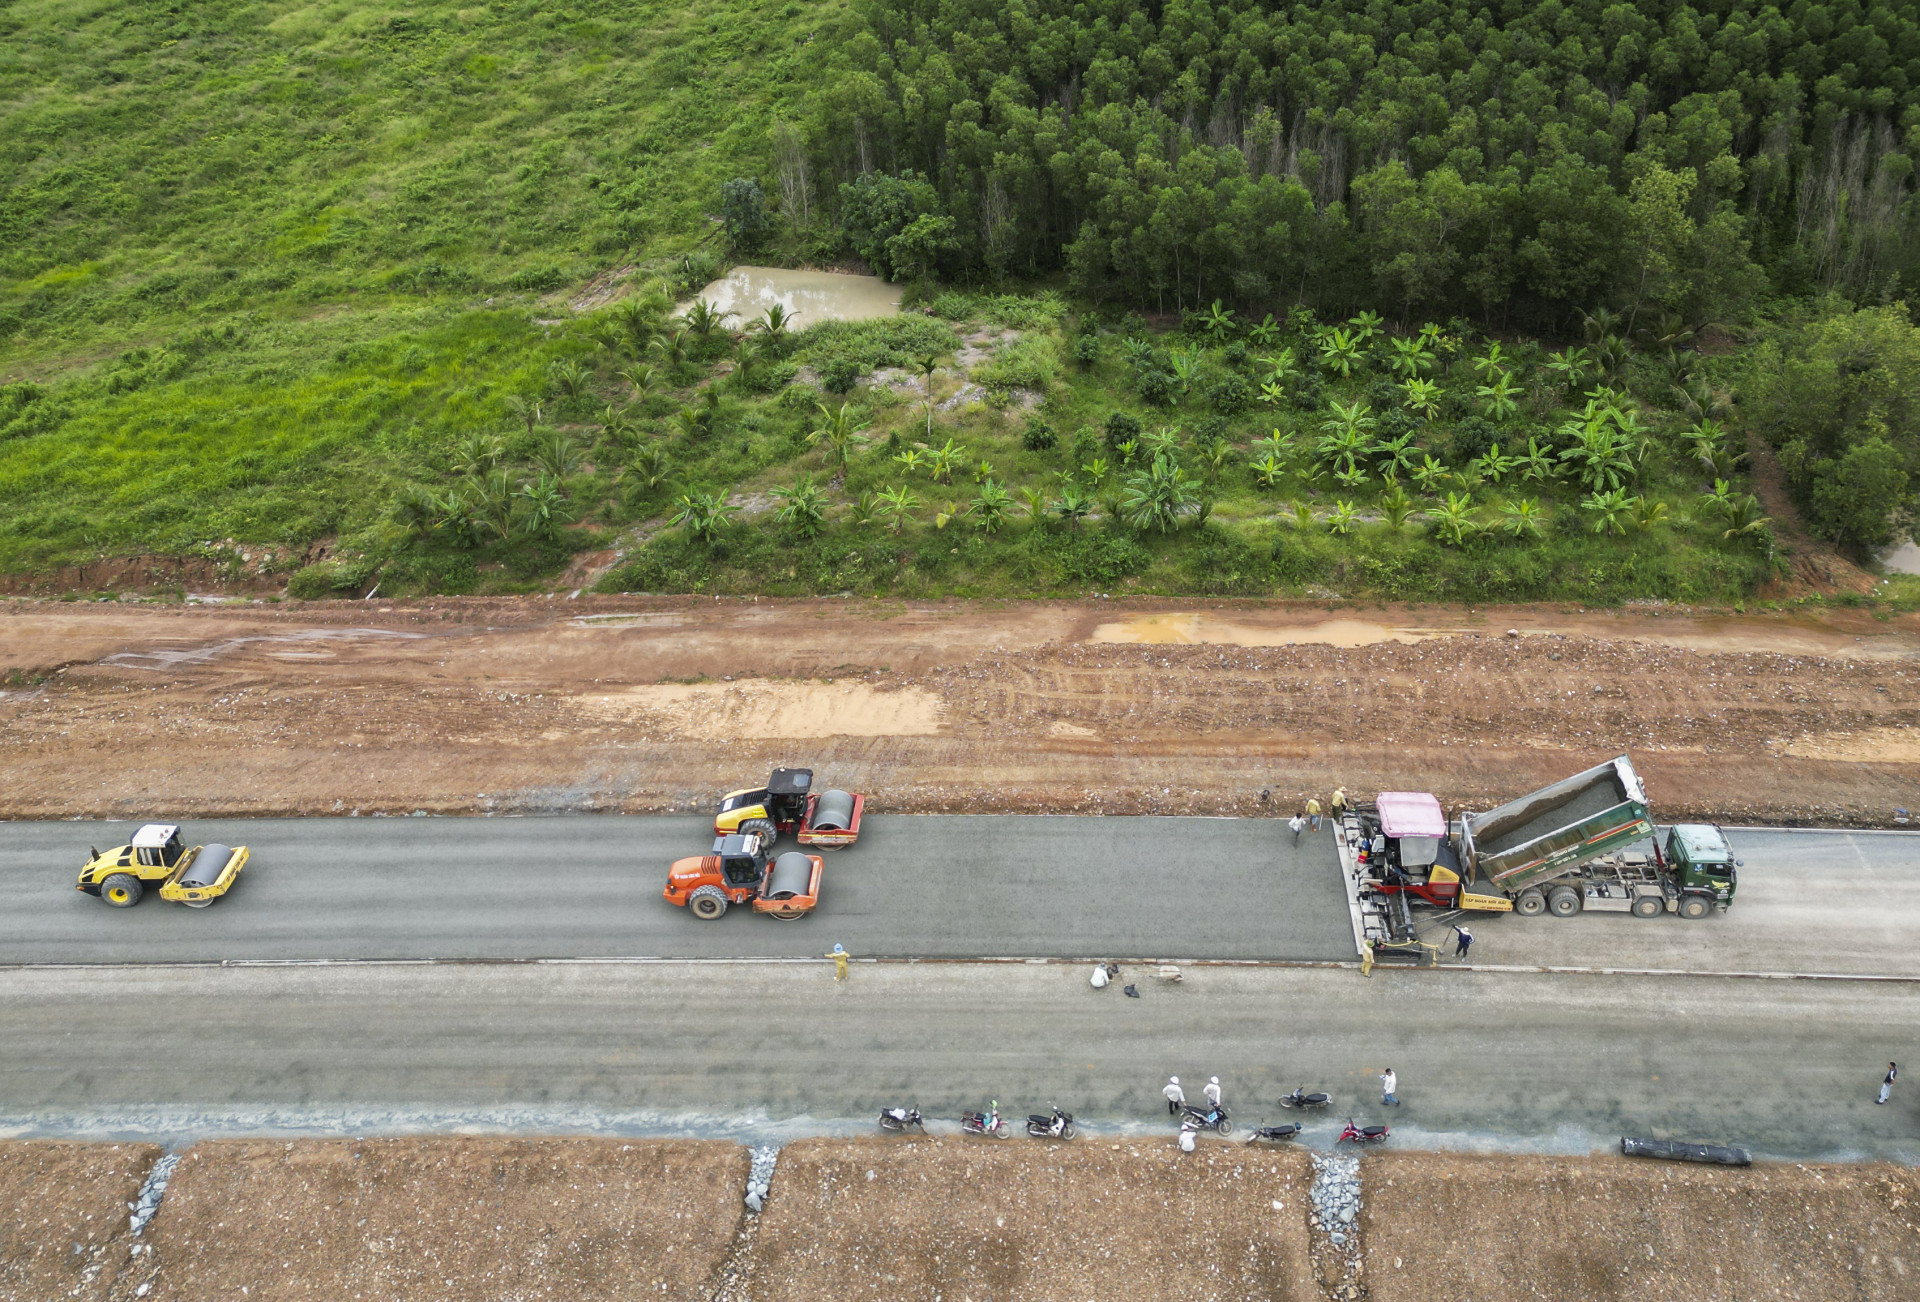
(1411, 813)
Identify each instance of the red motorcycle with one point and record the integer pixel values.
(1362, 1134)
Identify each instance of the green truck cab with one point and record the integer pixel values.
(1703, 867)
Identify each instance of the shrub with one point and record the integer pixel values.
(1030, 363)
(1155, 386)
(1086, 350)
(1038, 436)
(331, 579)
(838, 374)
(1120, 429)
(1471, 438)
(1229, 394)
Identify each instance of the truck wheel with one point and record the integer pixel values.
(1564, 901)
(708, 902)
(122, 890)
(1695, 907)
(1530, 904)
(761, 827)
(1648, 906)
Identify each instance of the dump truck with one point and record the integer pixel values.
(194, 877)
(741, 869)
(829, 820)
(1564, 849)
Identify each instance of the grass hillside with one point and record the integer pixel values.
(381, 293)
(259, 260)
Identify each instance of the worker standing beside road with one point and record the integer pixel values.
(1296, 825)
(1176, 1097)
(1463, 941)
(1313, 812)
(1389, 1089)
(1212, 1092)
(1886, 1085)
(1339, 802)
(839, 957)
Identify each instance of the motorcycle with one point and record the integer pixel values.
(989, 1122)
(1275, 1134)
(901, 1118)
(1362, 1134)
(1057, 1126)
(1213, 1117)
(1301, 1099)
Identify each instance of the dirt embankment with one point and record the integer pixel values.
(1443, 1225)
(63, 1216)
(491, 1220)
(642, 705)
(936, 1220)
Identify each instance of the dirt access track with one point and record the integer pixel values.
(657, 704)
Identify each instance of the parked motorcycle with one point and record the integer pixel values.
(1212, 1117)
(989, 1122)
(1362, 1134)
(1275, 1134)
(1057, 1126)
(1301, 1099)
(901, 1118)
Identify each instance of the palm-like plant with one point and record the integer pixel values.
(648, 467)
(991, 506)
(1536, 463)
(1268, 470)
(1341, 353)
(558, 456)
(1186, 369)
(1217, 324)
(1430, 473)
(1522, 517)
(865, 508)
(925, 368)
(703, 318)
(1453, 519)
(898, 505)
(1344, 517)
(944, 460)
(1301, 515)
(1497, 399)
(526, 410)
(643, 380)
(476, 454)
(1423, 396)
(545, 507)
(1073, 505)
(803, 506)
(1395, 506)
(702, 515)
(637, 320)
(458, 516)
(671, 349)
(692, 423)
(1394, 457)
(1214, 456)
(1035, 501)
(493, 504)
(837, 431)
(1648, 512)
(572, 381)
(1610, 510)
(1494, 464)
(1157, 496)
(773, 322)
(1570, 368)
(1411, 358)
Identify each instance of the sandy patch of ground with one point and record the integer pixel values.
(63, 1215)
(1869, 746)
(492, 1220)
(1441, 1225)
(955, 1220)
(624, 703)
(774, 710)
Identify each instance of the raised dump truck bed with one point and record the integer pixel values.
(1548, 833)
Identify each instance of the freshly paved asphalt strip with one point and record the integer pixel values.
(927, 887)
(1565, 1063)
(567, 887)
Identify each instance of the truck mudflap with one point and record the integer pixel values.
(206, 874)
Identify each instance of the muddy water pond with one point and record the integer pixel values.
(809, 296)
(1904, 559)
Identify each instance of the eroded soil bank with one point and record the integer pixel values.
(644, 705)
(913, 1219)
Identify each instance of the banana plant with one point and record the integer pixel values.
(1497, 399)
(1411, 358)
(1453, 519)
(1430, 473)
(1264, 334)
(1536, 463)
(1422, 396)
(1395, 506)
(1494, 363)
(1073, 505)
(803, 506)
(1268, 470)
(1341, 354)
(898, 505)
(1394, 457)
(864, 509)
(1522, 517)
(1610, 510)
(910, 459)
(1366, 327)
(1494, 464)
(1350, 474)
(1345, 516)
(991, 506)
(702, 515)
(1648, 512)
(944, 460)
(1275, 443)
(1570, 368)
(837, 432)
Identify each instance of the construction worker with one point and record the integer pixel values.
(1463, 941)
(1212, 1091)
(1176, 1097)
(1296, 825)
(1339, 802)
(839, 957)
(1313, 812)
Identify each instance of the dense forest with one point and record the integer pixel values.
(1518, 162)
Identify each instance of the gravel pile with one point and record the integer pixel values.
(151, 1193)
(1336, 1195)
